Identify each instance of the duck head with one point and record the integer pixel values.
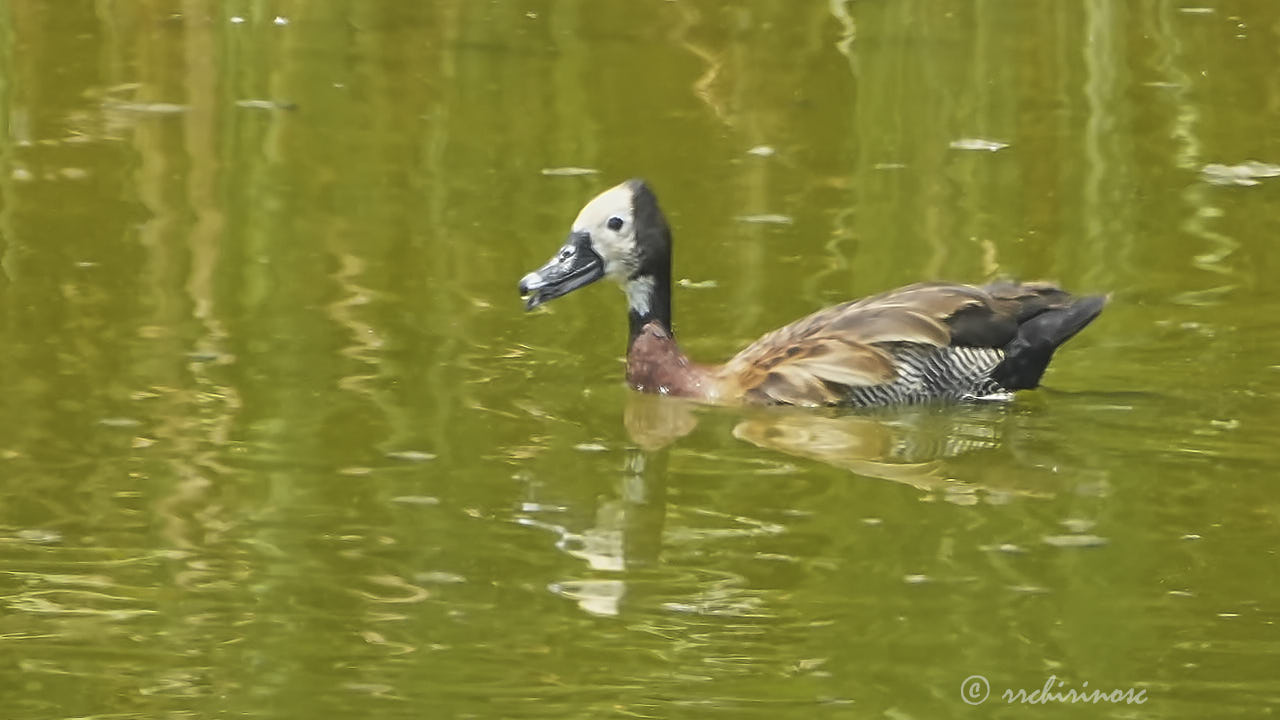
(621, 234)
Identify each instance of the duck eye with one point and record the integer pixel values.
(615, 223)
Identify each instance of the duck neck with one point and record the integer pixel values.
(648, 300)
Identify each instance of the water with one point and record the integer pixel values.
(279, 441)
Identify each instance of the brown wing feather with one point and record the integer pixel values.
(816, 371)
(817, 359)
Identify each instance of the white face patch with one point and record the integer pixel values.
(610, 221)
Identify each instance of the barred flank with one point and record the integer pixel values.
(927, 373)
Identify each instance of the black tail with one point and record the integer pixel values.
(1028, 354)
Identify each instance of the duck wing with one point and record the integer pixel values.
(916, 342)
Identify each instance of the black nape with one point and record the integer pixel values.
(653, 248)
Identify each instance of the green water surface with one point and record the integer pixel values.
(277, 439)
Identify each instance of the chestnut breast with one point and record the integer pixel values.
(656, 365)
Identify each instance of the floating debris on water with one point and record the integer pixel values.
(416, 500)
(236, 19)
(1190, 536)
(1029, 589)
(569, 171)
(541, 507)
(438, 577)
(1246, 173)
(776, 557)
(692, 285)
(1004, 548)
(266, 104)
(1196, 10)
(1207, 296)
(411, 455)
(978, 144)
(120, 422)
(1078, 525)
(1075, 541)
(280, 20)
(765, 219)
(916, 579)
(997, 497)
(156, 108)
(371, 689)
(590, 447)
(39, 536)
(762, 151)
(888, 166)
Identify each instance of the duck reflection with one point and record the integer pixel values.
(627, 533)
(911, 445)
(951, 453)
